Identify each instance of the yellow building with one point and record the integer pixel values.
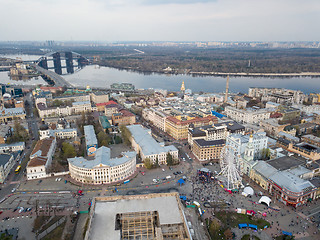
(177, 127)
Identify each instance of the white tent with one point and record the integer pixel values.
(248, 191)
(266, 200)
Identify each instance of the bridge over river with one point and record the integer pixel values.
(52, 77)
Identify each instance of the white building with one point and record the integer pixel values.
(102, 169)
(41, 158)
(156, 116)
(77, 107)
(239, 143)
(6, 164)
(13, 147)
(58, 133)
(252, 116)
(148, 147)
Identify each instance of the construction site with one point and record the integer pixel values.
(152, 216)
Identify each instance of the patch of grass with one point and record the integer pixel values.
(52, 221)
(285, 237)
(39, 221)
(232, 219)
(5, 236)
(247, 237)
(56, 234)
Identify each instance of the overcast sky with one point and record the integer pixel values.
(160, 20)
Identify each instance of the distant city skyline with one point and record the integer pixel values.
(160, 20)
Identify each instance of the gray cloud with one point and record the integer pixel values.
(156, 20)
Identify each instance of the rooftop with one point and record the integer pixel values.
(4, 158)
(107, 210)
(90, 135)
(102, 157)
(42, 148)
(148, 144)
(204, 143)
(284, 163)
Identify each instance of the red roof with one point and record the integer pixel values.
(111, 102)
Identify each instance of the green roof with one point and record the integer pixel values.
(104, 122)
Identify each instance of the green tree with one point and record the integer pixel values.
(68, 150)
(126, 135)
(147, 163)
(170, 160)
(156, 164)
(19, 133)
(118, 140)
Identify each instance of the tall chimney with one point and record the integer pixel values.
(227, 89)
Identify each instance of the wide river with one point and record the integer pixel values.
(96, 76)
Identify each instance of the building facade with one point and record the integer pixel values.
(41, 158)
(123, 118)
(7, 161)
(91, 140)
(102, 169)
(252, 116)
(145, 145)
(177, 127)
(207, 150)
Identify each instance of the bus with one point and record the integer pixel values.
(17, 169)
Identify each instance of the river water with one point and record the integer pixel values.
(96, 76)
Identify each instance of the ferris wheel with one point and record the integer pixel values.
(230, 166)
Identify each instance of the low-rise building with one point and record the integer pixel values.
(207, 150)
(111, 109)
(7, 161)
(123, 118)
(285, 185)
(99, 97)
(91, 140)
(103, 169)
(252, 115)
(41, 158)
(311, 139)
(272, 127)
(12, 147)
(105, 123)
(9, 114)
(76, 108)
(148, 147)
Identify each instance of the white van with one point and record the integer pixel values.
(168, 177)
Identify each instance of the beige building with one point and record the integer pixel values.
(103, 169)
(123, 118)
(252, 116)
(272, 126)
(156, 117)
(177, 127)
(99, 97)
(41, 158)
(208, 150)
(76, 108)
(9, 114)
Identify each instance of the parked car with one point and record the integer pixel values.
(142, 173)
(13, 190)
(162, 171)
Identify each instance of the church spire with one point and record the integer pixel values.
(182, 89)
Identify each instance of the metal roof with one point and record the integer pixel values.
(147, 143)
(102, 157)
